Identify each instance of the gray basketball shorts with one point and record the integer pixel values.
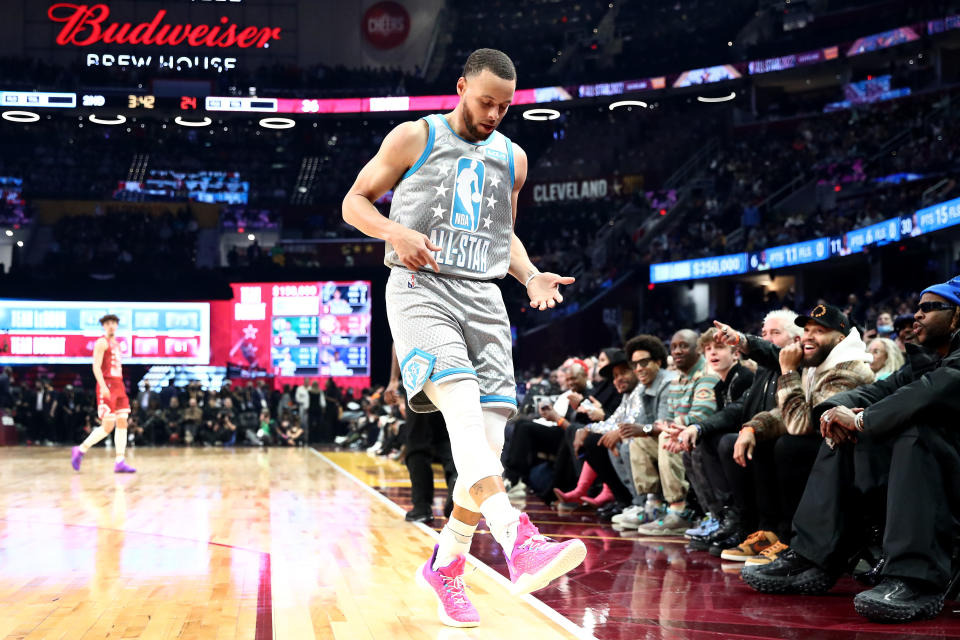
(447, 329)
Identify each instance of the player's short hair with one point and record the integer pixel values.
(651, 344)
(107, 318)
(495, 61)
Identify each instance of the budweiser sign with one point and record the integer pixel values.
(86, 25)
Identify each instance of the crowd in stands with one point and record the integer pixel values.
(848, 156)
(718, 436)
(747, 445)
(566, 42)
(106, 243)
(253, 415)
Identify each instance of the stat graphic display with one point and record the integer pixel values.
(301, 329)
(38, 332)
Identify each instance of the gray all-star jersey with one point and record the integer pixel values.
(458, 195)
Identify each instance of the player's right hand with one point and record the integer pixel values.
(415, 250)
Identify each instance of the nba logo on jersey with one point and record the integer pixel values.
(468, 194)
(412, 283)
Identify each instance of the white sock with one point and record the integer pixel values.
(95, 436)
(455, 539)
(120, 440)
(503, 520)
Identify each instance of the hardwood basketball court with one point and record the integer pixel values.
(298, 544)
(219, 544)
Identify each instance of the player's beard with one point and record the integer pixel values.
(471, 124)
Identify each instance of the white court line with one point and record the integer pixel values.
(565, 623)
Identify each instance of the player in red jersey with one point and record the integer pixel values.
(113, 406)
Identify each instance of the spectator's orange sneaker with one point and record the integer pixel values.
(751, 547)
(769, 554)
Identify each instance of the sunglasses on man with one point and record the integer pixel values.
(927, 307)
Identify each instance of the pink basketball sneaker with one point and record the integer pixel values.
(454, 609)
(536, 561)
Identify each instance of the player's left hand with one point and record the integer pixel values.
(544, 290)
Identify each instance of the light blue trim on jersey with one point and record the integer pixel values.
(415, 374)
(478, 144)
(513, 177)
(439, 375)
(431, 135)
(505, 399)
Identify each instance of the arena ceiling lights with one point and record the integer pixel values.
(277, 123)
(120, 119)
(21, 116)
(727, 98)
(206, 122)
(628, 103)
(541, 114)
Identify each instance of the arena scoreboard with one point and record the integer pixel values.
(302, 329)
(40, 332)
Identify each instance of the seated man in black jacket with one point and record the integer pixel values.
(899, 432)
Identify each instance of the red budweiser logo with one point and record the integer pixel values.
(86, 25)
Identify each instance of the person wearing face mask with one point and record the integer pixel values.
(884, 324)
(897, 432)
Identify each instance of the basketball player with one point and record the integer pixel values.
(113, 407)
(449, 234)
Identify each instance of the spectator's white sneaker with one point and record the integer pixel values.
(518, 490)
(627, 515)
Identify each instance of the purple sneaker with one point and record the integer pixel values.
(76, 457)
(123, 467)
(536, 560)
(453, 608)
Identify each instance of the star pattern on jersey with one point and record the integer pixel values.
(494, 181)
(444, 170)
(438, 211)
(491, 201)
(250, 332)
(486, 222)
(441, 191)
